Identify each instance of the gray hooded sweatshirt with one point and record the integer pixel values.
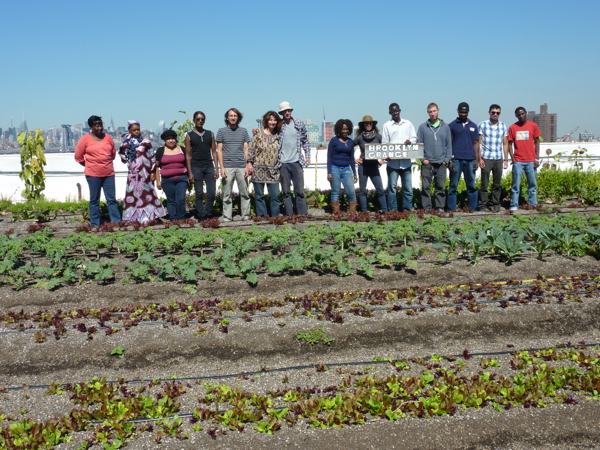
(438, 142)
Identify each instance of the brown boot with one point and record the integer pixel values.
(351, 207)
(335, 207)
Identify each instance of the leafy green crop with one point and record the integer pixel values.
(314, 336)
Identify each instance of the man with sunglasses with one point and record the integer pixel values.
(493, 141)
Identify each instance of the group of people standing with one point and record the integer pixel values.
(96, 152)
(460, 148)
(464, 147)
(279, 151)
(277, 154)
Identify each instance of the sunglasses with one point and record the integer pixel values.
(495, 113)
(199, 119)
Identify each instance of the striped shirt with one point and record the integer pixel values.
(492, 138)
(233, 146)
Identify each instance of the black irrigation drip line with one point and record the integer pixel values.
(378, 308)
(315, 366)
(181, 416)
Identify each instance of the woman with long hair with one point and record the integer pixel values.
(263, 157)
(368, 133)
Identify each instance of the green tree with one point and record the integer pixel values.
(183, 128)
(33, 161)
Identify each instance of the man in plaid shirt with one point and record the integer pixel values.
(294, 155)
(493, 141)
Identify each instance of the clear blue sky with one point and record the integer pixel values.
(66, 60)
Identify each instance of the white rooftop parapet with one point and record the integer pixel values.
(63, 173)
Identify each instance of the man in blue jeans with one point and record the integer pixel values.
(465, 157)
(524, 136)
(399, 131)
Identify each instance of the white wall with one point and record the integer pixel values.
(63, 173)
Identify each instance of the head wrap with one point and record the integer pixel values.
(133, 142)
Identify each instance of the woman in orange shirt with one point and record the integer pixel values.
(96, 151)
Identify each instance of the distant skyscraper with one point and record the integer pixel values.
(66, 138)
(586, 136)
(112, 125)
(77, 131)
(313, 132)
(546, 122)
(23, 126)
(161, 126)
(11, 133)
(327, 131)
(56, 133)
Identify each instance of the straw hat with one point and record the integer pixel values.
(367, 119)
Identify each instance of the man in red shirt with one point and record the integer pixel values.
(524, 137)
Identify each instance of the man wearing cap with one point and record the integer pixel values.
(493, 142)
(465, 156)
(294, 155)
(399, 131)
(436, 138)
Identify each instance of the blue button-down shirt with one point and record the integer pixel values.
(492, 138)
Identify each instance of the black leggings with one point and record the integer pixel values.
(204, 175)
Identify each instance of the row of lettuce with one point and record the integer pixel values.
(114, 414)
(343, 248)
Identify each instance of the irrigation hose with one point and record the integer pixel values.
(312, 366)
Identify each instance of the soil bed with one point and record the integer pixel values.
(269, 343)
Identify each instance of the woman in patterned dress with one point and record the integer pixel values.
(141, 202)
(263, 157)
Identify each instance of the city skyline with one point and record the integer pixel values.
(316, 55)
(316, 134)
